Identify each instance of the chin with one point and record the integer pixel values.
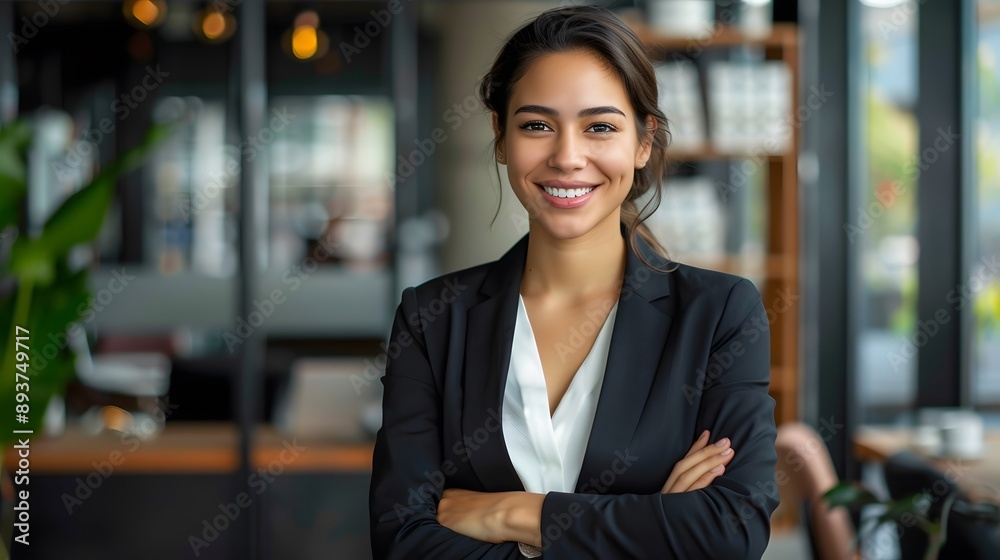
(565, 227)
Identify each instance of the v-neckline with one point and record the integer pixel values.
(538, 359)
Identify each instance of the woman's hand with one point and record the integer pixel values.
(700, 466)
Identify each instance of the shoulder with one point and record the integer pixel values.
(459, 286)
(730, 297)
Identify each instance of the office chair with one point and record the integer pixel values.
(969, 537)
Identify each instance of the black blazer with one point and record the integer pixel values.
(690, 351)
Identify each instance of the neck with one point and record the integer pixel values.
(591, 264)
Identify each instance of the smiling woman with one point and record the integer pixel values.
(559, 403)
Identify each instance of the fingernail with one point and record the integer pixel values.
(722, 442)
(717, 469)
(726, 452)
(703, 434)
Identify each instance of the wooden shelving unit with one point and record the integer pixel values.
(780, 265)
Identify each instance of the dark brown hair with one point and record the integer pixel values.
(599, 31)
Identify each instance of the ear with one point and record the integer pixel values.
(646, 146)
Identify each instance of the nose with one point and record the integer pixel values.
(568, 153)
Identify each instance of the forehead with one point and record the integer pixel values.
(570, 81)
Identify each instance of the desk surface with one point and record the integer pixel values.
(981, 476)
(182, 448)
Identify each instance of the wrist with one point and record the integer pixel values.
(522, 517)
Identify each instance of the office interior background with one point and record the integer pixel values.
(220, 332)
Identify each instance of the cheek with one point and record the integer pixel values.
(616, 160)
(524, 155)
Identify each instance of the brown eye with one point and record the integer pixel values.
(534, 126)
(603, 128)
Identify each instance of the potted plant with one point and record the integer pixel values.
(40, 292)
(911, 511)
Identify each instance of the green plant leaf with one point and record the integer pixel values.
(79, 218)
(915, 504)
(849, 494)
(12, 194)
(16, 134)
(14, 139)
(30, 261)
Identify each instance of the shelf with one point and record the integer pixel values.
(771, 267)
(187, 448)
(710, 154)
(783, 36)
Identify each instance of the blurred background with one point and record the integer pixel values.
(210, 209)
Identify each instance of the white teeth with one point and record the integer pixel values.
(567, 193)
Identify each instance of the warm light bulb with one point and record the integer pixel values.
(145, 11)
(145, 14)
(214, 25)
(304, 42)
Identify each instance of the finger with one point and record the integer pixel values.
(699, 443)
(707, 478)
(707, 452)
(688, 478)
(695, 457)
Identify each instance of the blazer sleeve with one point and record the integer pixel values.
(407, 478)
(728, 519)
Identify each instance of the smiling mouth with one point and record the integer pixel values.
(566, 193)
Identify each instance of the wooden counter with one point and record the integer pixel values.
(182, 448)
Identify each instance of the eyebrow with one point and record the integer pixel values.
(602, 110)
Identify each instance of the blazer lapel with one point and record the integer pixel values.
(637, 342)
(488, 342)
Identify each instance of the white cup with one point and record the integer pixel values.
(961, 434)
(683, 18)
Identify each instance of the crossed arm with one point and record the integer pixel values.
(517, 516)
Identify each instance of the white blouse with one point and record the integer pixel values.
(547, 451)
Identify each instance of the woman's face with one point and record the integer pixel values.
(571, 145)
